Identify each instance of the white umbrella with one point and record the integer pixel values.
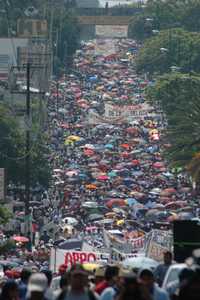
(90, 204)
(70, 221)
(140, 263)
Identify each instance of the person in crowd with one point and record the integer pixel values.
(45, 237)
(132, 289)
(174, 287)
(64, 282)
(37, 287)
(25, 275)
(49, 292)
(111, 273)
(10, 291)
(112, 278)
(191, 289)
(78, 286)
(99, 275)
(147, 279)
(161, 270)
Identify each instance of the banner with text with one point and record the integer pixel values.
(70, 257)
(127, 111)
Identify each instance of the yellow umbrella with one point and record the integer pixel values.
(74, 138)
(90, 267)
(120, 222)
(68, 142)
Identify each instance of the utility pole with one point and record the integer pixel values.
(27, 162)
(28, 215)
(57, 91)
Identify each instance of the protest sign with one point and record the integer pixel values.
(71, 257)
(130, 112)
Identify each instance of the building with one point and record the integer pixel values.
(9, 48)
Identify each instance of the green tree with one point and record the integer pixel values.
(140, 28)
(12, 151)
(174, 47)
(179, 97)
(66, 39)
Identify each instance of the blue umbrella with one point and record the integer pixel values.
(112, 174)
(131, 201)
(109, 146)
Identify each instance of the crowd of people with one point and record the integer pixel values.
(110, 282)
(108, 176)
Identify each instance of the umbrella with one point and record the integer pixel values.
(158, 165)
(90, 204)
(74, 138)
(125, 146)
(95, 217)
(91, 187)
(89, 146)
(116, 202)
(102, 177)
(132, 130)
(72, 173)
(131, 201)
(135, 162)
(168, 191)
(112, 174)
(20, 239)
(109, 146)
(88, 152)
(140, 263)
(185, 216)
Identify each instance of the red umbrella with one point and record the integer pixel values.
(88, 152)
(132, 130)
(158, 165)
(125, 146)
(116, 202)
(65, 126)
(172, 205)
(103, 177)
(169, 191)
(135, 162)
(21, 239)
(125, 154)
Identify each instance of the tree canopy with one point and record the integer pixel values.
(161, 15)
(173, 47)
(179, 96)
(12, 152)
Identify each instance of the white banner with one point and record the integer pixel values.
(111, 31)
(127, 111)
(70, 257)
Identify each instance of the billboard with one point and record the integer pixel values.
(111, 31)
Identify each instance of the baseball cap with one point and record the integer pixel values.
(37, 283)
